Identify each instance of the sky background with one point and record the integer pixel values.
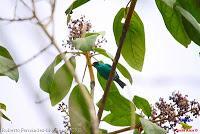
(168, 66)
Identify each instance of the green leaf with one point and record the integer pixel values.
(80, 111)
(124, 72)
(191, 25)
(170, 3)
(123, 120)
(47, 78)
(151, 128)
(191, 31)
(122, 110)
(189, 17)
(86, 43)
(7, 63)
(4, 116)
(57, 84)
(143, 104)
(185, 125)
(2, 106)
(102, 33)
(136, 131)
(75, 4)
(173, 22)
(102, 131)
(61, 85)
(133, 49)
(192, 6)
(103, 52)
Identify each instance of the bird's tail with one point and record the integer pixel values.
(121, 83)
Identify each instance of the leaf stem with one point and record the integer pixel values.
(84, 72)
(91, 72)
(117, 56)
(89, 63)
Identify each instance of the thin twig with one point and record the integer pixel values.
(29, 60)
(52, 12)
(26, 5)
(17, 19)
(41, 100)
(15, 9)
(95, 58)
(84, 72)
(117, 56)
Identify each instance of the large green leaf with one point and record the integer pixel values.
(57, 84)
(173, 22)
(189, 17)
(123, 120)
(169, 3)
(120, 67)
(191, 25)
(47, 78)
(75, 4)
(133, 49)
(192, 6)
(7, 65)
(122, 110)
(143, 104)
(191, 31)
(124, 72)
(2, 106)
(151, 128)
(80, 111)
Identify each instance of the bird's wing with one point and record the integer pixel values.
(108, 65)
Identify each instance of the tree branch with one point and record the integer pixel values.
(84, 72)
(117, 56)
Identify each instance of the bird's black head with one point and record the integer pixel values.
(95, 64)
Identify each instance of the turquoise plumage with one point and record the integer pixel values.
(104, 71)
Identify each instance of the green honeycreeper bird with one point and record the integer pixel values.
(104, 71)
